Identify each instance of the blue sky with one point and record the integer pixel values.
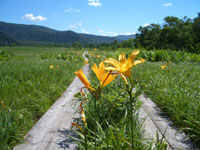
(100, 17)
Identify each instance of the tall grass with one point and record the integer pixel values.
(169, 55)
(176, 90)
(28, 87)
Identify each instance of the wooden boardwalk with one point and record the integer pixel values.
(156, 121)
(49, 133)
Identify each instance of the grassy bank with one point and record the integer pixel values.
(176, 90)
(29, 85)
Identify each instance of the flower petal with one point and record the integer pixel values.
(102, 71)
(109, 79)
(113, 62)
(112, 68)
(122, 58)
(133, 55)
(124, 78)
(95, 70)
(138, 62)
(127, 72)
(83, 78)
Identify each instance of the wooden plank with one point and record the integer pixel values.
(49, 133)
(157, 121)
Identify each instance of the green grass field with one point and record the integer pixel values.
(176, 90)
(28, 87)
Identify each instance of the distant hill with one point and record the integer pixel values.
(39, 35)
(125, 37)
(6, 40)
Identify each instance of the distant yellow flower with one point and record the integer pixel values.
(105, 77)
(163, 66)
(124, 65)
(51, 67)
(85, 62)
(3, 104)
(57, 66)
(95, 49)
(98, 56)
(84, 79)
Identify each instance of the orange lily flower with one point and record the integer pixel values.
(124, 65)
(84, 79)
(104, 77)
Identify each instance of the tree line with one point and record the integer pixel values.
(174, 34)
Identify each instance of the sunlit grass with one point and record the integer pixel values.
(176, 90)
(28, 87)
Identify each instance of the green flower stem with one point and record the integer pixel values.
(95, 108)
(131, 110)
(85, 134)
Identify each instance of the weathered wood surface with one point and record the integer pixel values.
(156, 121)
(49, 133)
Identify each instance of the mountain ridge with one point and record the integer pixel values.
(28, 34)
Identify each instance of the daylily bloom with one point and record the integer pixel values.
(84, 79)
(3, 104)
(105, 77)
(51, 67)
(163, 67)
(98, 56)
(86, 62)
(124, 65)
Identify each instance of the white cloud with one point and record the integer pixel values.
(71, 10)
(72, 26)
(77, 10)
(95, 3)
(84, 31)
(128, 33)
(79, 24)
(104, 33)
(146, 24)
(167, 4)
(33, 18)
